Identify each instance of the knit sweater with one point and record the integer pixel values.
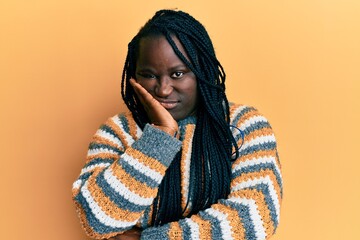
(125, 166)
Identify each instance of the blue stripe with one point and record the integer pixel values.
(244, 214)
(115, 197)
(258, 147)
(94, 223)
(124, 122)
(256, 126)
(109, 130)
(269, 201)
(145, 217)
(156, 233)
(99, 161)
(94, 145)
(185, 229)
(138, 175)
(241, 114)
(215, 225)
(85, 176)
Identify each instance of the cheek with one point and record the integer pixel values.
(148, 85)
(192, 95)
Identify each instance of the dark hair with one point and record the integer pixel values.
(213, 143)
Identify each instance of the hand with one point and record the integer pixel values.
(132, 234)
(157, 114)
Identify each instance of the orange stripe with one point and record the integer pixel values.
(132, 125)
(118, 131)
(147, 161)
(102, 140)
(234, 108)
(204, 227)
(258, 154)
(257, 175)
(189, 132)
(75, 191)
(175, 231)
(237, 228)
(131, 183)
(90, 232)
(108, 206)
(254, 134)
(150, 214)
(262, 207)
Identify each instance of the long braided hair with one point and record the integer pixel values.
(213, 143)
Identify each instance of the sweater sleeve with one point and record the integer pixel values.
(121, 176)
(252, 210)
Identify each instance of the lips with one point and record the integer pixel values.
(169, 104)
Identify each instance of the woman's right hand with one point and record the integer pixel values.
(157, 114)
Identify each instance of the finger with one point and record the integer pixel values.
(145, 97)
(157, 114)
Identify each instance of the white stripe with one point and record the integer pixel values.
(110, 137)
(257, 141)
(91, 167)
(252, 121)
(186, 175)
(194, 229)
(128, 137)
(255, 161)
(139, 166)
(138, 132)
(77, 184)
(254, 215)
(263, 180)
(95, 151)
(100, 214)
(224, 222)
(121, 189)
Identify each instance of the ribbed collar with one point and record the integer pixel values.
(186, 121)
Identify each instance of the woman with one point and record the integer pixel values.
(184, 163)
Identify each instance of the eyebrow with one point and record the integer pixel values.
(181, 66)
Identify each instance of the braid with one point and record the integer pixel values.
(213, 142)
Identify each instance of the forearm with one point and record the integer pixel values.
(112, 199)
(241, 217)
(252, 210)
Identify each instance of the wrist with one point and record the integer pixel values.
(174, 132)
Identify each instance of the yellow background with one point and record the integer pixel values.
(296, 61)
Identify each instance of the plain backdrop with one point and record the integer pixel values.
(296, 61)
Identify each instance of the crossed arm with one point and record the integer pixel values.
(250, 212)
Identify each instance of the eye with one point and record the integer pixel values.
(177, 74)
(147, 75)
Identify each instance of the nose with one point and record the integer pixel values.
(164, 87)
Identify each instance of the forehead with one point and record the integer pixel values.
(157, 45)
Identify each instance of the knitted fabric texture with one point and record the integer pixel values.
(125, 166)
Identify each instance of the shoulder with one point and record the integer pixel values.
(248, 119)
(252, 130)
(241, 112)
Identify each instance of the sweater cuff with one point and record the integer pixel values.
(157, 144)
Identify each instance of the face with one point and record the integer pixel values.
(160, 71)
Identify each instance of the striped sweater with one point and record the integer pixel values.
(125, 165)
